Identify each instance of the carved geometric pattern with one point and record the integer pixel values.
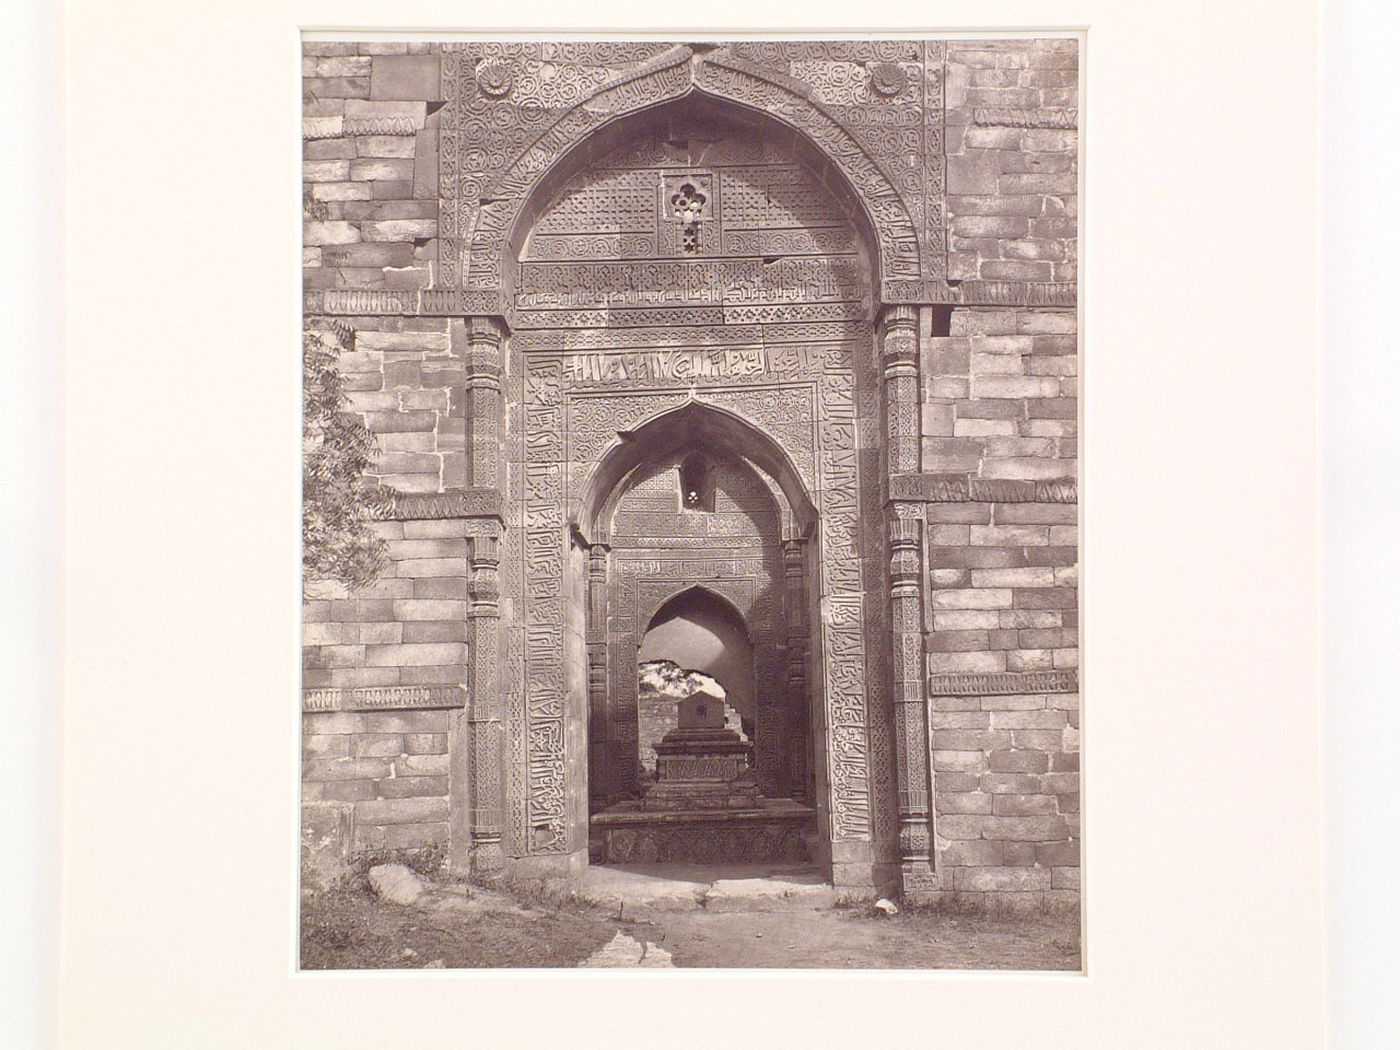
(1004, 684)
(1003, 117)
(454, 302)
(384, 698)
(627, 238)
(964, 488)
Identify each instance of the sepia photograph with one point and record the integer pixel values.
(690, 503)
(793, 526)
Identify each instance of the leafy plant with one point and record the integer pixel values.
(338, 539)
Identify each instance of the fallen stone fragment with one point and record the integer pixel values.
(396, 883)
(885, 906)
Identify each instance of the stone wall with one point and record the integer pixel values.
(370, 214)
(1012, 160)
(369, 167)
(408, 627)
(1000, 410)
(385, 773)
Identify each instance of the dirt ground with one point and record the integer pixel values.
(353, 930)
(849, 938)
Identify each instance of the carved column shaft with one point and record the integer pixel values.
(798, 742)
(900, 359)
(485, 727)
(907, 689)
(596, 639)
(482, 398)
(482, 408)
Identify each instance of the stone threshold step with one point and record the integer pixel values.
(719, 888)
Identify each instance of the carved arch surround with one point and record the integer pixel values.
(682, 73)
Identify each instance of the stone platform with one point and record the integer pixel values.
(773, 830)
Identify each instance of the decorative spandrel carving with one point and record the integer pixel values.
(618, 244)
(511, 113)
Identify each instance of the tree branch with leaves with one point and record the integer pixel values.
(338, 538)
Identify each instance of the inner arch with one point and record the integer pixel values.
(694, 425)
(696, 630)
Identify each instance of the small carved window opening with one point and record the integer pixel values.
(697, 483)
(688, 204)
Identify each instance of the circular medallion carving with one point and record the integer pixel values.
(494, 80)
(887, 78)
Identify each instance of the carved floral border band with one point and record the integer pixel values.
(1005, 683)
(963, 488)
(384, 698)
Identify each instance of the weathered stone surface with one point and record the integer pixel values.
(405, 77)
(395, 883)
(325, 843)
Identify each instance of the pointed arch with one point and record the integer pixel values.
(713, 79)
(683, 592)
(695, 424)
